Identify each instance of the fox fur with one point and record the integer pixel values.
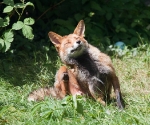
(65, 84)
(91, 72)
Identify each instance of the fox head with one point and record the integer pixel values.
(72, 45)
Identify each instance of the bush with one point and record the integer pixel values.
(106, 22)
(10, 23)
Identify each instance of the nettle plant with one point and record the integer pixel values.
(8, 27)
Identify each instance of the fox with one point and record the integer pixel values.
(65, 84)
(90, 72)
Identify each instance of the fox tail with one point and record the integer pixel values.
(41, 93)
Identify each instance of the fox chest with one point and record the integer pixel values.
(92, 77)
(90, 71)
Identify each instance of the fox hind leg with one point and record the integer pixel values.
(116, 86)
(97, 94)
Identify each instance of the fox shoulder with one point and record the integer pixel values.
(100, 57)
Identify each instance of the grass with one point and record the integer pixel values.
(18, 77)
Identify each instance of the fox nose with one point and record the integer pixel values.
(78, 42)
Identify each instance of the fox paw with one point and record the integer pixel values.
(65, 77)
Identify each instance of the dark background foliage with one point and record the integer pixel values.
(107, 21)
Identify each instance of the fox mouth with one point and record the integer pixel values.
(76, 49)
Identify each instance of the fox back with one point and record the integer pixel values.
(92, 69)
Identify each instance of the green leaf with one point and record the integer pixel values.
(132, 32)
(60, 22)
(7, 9)
(18, 25)
(78, 16)
(8, 36)
(7, 46)
(29, 4)
(74, 101)
(19, 5)
(37, 107)
(115, 22)
(108, 16)
(22, 5)
(4, 22)
(79, 108)
(95, 6)
(1, 43)
(136, 1)
(9, 2)
(84, 1)
(64, 23)
(122, 29)
(133, 41)
(27, 32)
(91, 14)
(46, 114)
(29, 21)
(1, 22)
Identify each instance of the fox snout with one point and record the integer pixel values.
(78, 42)
(77, 49)
(76, 46)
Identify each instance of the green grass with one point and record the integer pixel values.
(18, 77)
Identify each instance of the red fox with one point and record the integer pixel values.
(91, 72)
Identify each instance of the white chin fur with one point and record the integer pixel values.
(77, 52)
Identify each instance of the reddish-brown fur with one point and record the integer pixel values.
(65, 84)
(91, 72)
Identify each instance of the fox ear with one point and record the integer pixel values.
(79, 30)
(55, 38)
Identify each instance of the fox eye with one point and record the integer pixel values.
(67, 43)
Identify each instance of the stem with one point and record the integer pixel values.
(49, 9)
(17, 13)
(22, 12)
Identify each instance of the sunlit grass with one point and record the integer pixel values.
(24, 75)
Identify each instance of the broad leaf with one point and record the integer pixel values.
(95, 6)
(29, 4)
(27, 32)
(29, 21)
(8, 36)
(1, 43)
(4, 22)
(78, 16)
(60, 22)
(9, 2)
(108, 16)
(7, 9)
(133, 41)
(67, 24)
(18, 25)
(84, 1)
(19, 5)
(7, 46)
